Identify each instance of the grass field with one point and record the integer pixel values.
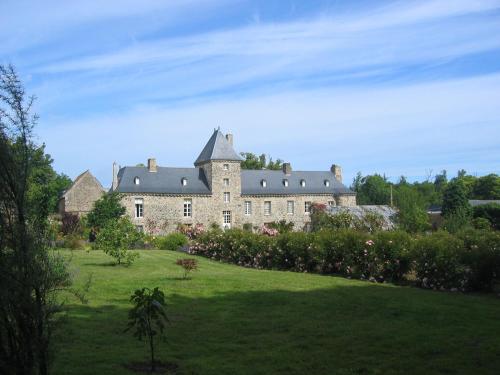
(232, 320)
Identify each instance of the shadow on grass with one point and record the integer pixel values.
(105, 264)
(362, 329)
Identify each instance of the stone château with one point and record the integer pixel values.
(217, 190)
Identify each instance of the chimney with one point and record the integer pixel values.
(229, 138)
(337, 171)
(115, 176)
(152, 164)
(287, 169)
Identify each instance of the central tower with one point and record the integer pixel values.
(221, 166)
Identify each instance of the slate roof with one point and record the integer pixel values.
(165, 181)
(217, 148)
(251, 183)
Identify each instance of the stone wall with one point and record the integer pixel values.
(80, 197)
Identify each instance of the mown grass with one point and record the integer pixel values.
(232, 320)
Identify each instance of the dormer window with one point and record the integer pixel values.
(263, 183)
(303, 183)
(327, 183)
(285, 182)
(137, 181)
(184, 181)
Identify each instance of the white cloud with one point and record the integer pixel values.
(405, 130)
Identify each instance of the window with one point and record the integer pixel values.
(227, 197)
(303, 183)
(248, 208)
(139, 228)
(137, 180)
(227, 217)
(139, 207)
(267, 208)
(327, 183)
(331, 203)
(184, 181)
(285, 182)
(226, 182)
(307, 207)
(290, 207)
(225, 167)
(188, 208)
(263, 183)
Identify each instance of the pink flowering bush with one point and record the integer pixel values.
(267, 231)
(191, 231)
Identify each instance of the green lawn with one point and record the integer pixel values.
(232, 320)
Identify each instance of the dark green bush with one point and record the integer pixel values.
(491, 212)
(438, 261)
(172, 241)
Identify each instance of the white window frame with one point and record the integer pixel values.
(139, 208)
(227, 197)
(248, 208)
(225, 167)
(331, 203)
(226, 217)
(225, 182)
(307, 207)
(303, 183)
(327, 183)
(290, 207)
(268, 208)
(285, 182)
(137, 180)
(184, 181)
(263, 183)
(188, 208)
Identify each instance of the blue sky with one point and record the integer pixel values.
(394, 87)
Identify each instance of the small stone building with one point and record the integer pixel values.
(217, 191)
(79, 198)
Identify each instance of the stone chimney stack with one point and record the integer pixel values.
(287, 169)
(152, 165)
(337, 171)
(115, 176)
(229, 138)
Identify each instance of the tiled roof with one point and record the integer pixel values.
(217, 148)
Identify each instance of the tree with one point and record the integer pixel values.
(29, 275)
(487, 187)
(412, 215)
(253, 161)
(148, 317)
(455, 198)
(116, 238)
(107, 208)
(373, 190)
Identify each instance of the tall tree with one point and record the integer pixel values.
(29, 275)
(252, 161)
(455, 199)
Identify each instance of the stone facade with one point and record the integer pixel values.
(81, 195)
(220, 198)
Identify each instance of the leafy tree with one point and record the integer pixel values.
(148, 317)
(441, 180)
(29, 275)
(487, 187)
(490, 212)
(252, 161)
(105, 209)
(412, 216)
(455, 198)
(116, 238)
(373, 190)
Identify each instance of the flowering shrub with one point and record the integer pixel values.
(469, 261)
(191, 231)
(437, 262)
(267, 231)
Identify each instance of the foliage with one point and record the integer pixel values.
(70, 223)
(269, 231)
(148, 318)
(107, 208)
(486, 187)
(455, 199)
(73, 242)
(372, 189)
(320, 219)
(491, 212)
(30, 276)
(116, 238)
(187, 265)
(252, 161)
(281, 226)
(412, 215)
(481, 223)
(172, 241)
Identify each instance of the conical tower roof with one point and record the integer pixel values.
(217, 148)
